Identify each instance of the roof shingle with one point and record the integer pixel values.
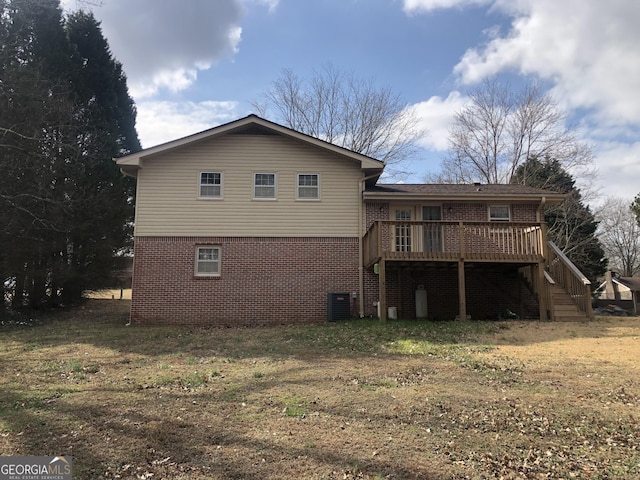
(458, 189)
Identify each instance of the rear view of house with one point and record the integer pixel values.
(252, 223)
(247, 223)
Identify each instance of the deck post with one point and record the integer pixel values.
(542, 295)
(462, 295)
(589, 306)
(382, 289)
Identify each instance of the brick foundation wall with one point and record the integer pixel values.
(263, 281)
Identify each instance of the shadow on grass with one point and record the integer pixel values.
(241, 430)
(295, 400)
(151, 433)
(103, 323)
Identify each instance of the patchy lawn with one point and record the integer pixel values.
(360, 399)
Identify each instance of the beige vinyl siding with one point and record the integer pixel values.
(167, 194)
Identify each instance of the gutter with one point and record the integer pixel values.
(551, 198)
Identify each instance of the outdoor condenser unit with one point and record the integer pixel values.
(338, 306)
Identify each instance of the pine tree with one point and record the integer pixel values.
(635, 208)
(35, 110)
(101, 206)
(65, 112)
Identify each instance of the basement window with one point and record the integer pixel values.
(208, 261)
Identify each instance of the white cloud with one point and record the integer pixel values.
(172, 80)
(160, 122)
(163, 44)
(619, 168)
(589, 50)
(435, 116)
(414, 6)
(270, 4)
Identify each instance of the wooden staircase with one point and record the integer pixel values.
(563, 291)
(569, 289)
(564, 308)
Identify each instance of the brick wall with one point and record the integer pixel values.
(263, 281)
(479, 212)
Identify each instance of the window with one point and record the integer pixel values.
(210, 185)
(264, 186)
(308, 186)
(208, 261)
(499, 213)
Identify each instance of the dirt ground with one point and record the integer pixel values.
(352, 400)
(114, 294)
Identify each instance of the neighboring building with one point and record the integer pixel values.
(623, 292)
(252, 223)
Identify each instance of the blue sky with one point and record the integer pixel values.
(193, 64)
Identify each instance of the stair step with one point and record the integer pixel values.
(576, 318)
(563, 301)
(567, 305)
(564, 309)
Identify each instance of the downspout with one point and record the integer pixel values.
(543, 228)
(540, 210)
(362, 221)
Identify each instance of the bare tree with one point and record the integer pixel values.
(499, 130)
(347, 111)
(620, 235)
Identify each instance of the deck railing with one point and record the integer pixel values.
(452, 241)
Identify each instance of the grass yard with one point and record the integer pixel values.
(354, 400)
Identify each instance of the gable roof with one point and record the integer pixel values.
(130, 164)
(627, 283)
(632, 283)
(450, 192)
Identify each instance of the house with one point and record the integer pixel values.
(623, 292)
(253, 223)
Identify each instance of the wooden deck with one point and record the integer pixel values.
(442, 241)
(544, 267)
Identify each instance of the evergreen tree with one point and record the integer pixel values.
(102, 206)
(635, 208)
(65, 112)
(35, 110)
(571, 225)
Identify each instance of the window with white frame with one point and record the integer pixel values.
(210, 185)
(264, 186)
(308, 186)
(499, 213)
(208, 261)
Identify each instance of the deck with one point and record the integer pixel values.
(447, 241)
(545, 267)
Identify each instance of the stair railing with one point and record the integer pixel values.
(570, 278)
